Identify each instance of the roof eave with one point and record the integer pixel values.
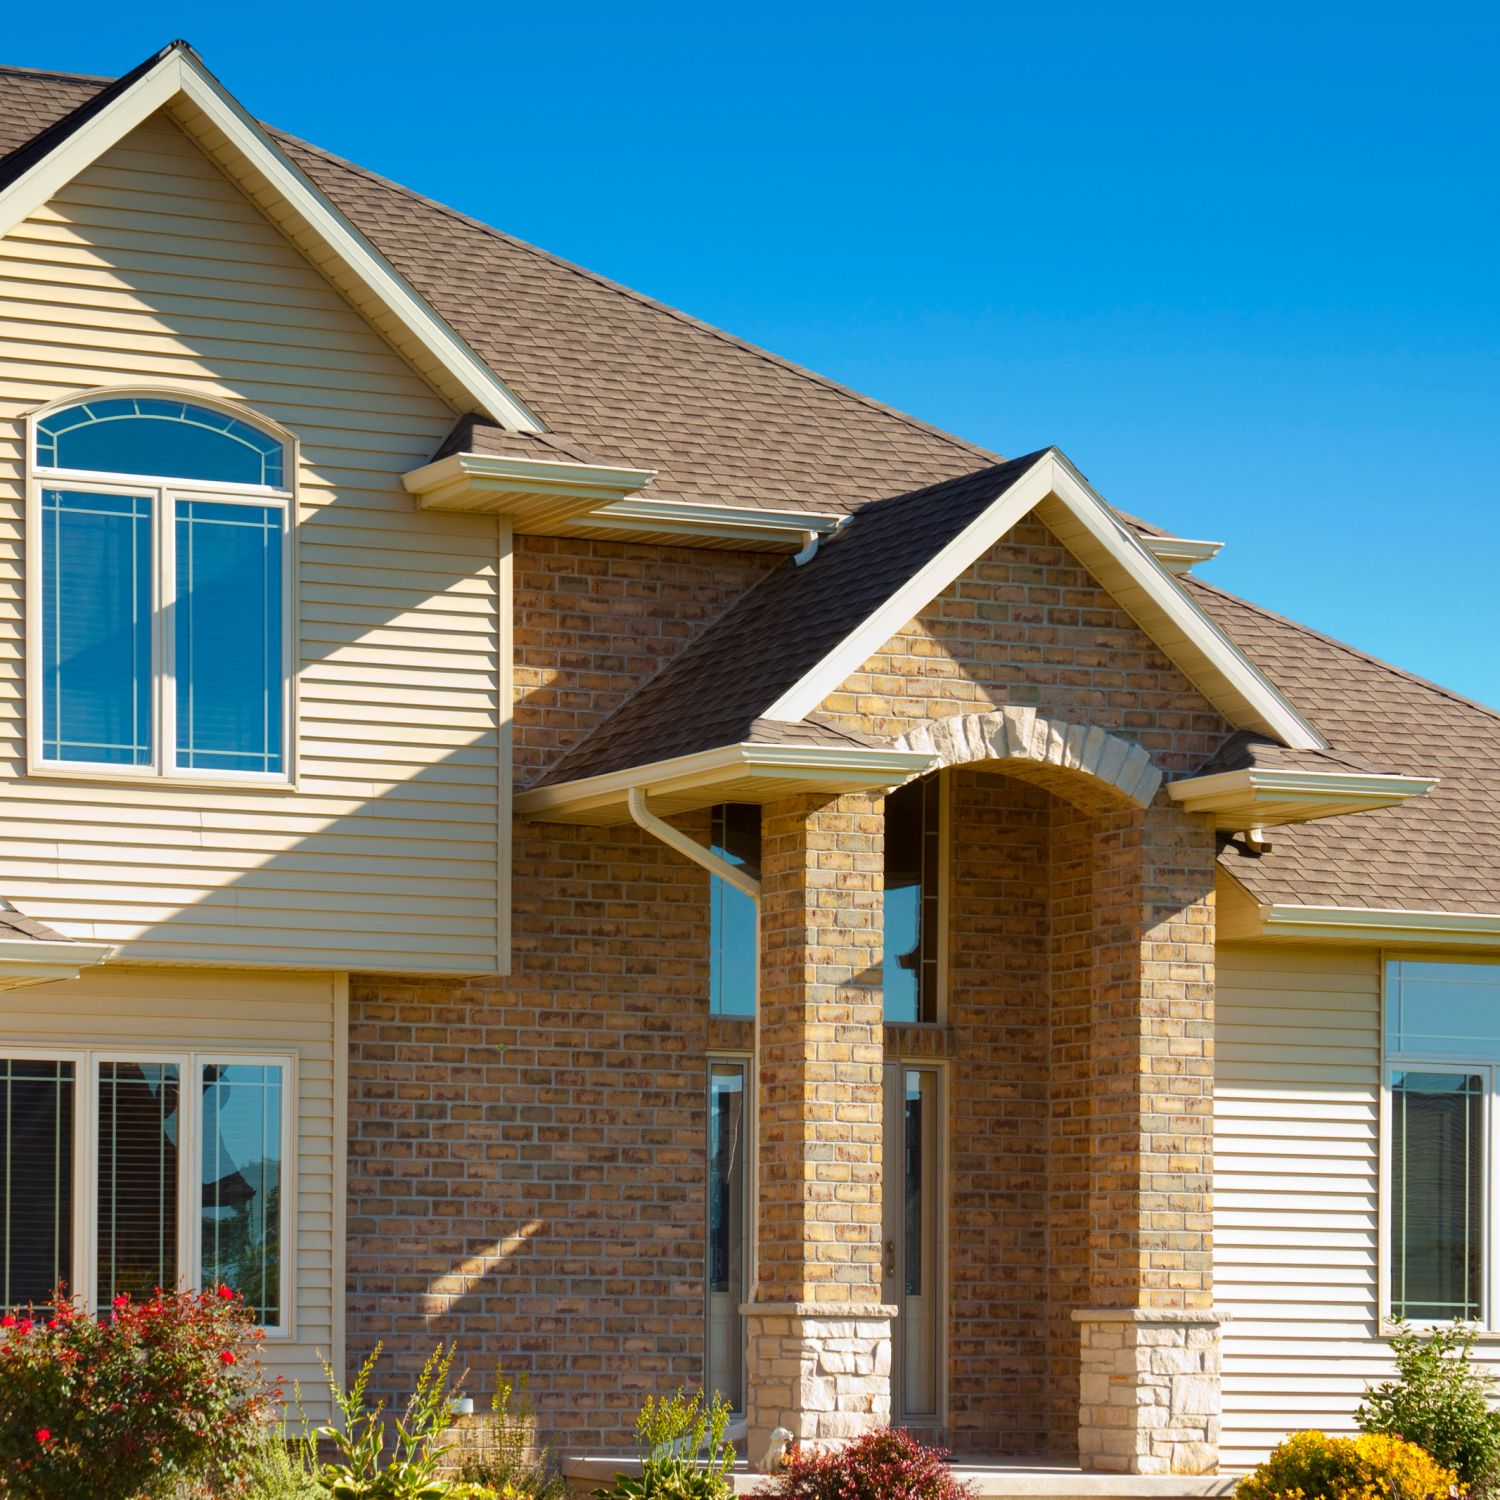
(1266, 797)
(539, 494)
(734, 773)
(1382, 926)
(25, 961)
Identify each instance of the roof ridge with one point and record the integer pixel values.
(770, 356)
(1354, 651)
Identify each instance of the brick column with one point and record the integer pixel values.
(1149, 1340)
(818, 1338)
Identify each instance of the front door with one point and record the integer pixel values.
(912, 1277)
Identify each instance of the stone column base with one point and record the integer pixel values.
(823, 1372)
(1148, 1395)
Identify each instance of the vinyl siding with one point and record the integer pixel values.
(152, 267)
(179, 1010)
(1296, 1189)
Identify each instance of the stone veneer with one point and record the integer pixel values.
(1148, 1390)
(823, 1374)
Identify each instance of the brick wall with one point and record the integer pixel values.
(527, 1155)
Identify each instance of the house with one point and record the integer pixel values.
(526, 819)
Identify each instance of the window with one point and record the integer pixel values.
(733, 954)
(163, 546)
(1442, 1042)
(183, 1169)
(913, 849)
(729, 1212)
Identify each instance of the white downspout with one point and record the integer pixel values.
(716, 864)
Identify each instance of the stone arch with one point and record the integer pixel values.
(1023, 735)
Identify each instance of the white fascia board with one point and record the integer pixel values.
(25, 961)
(1052, 476)
(1180, 554)
(1240, 788)
(1384, 925)
(874, 766)
(723, 520)
(554, 475)
(180, 73)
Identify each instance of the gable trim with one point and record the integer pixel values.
(179, 73)
(1201, 650)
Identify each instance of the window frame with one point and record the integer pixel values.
(942, 900)
(745, 1062)
(164, 494)
(190, 1063)
(1393, 1061)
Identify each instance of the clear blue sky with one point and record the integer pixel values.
(1240, 263)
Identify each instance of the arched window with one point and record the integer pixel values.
(163, 544)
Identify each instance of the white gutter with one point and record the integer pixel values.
(716, 864)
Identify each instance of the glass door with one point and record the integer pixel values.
(912, 1276)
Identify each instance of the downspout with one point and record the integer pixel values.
(811, 540)
(716, 864)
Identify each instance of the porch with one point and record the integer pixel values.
(1071, 1312)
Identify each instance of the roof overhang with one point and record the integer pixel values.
(744, 528)
(1262, 797)
(178, 82)
(539, 494)
(26, 961)
(1180, 554)
(1086, 525)
(735, 773)
(1383, 926)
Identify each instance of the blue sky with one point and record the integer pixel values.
(1239, 263)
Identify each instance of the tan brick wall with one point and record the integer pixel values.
(1027, 625)
(544, 1202)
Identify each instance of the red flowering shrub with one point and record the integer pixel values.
(884, 1465)
(159, 1397)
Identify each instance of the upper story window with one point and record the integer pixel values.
(160, 614)
(1442, 1045)
(733, 957)
(913, 914)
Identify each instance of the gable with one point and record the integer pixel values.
(1027, 625)
(150, 268)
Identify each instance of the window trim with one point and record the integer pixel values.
(164, 494)
(1391, 1063)
(190, 1062)
(745, 1061)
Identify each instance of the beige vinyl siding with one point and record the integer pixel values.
(151, 267)
(250, 1011)
(1296, 1189)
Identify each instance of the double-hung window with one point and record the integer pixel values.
(1442, 1052)
(160, 607)
(123, 1172)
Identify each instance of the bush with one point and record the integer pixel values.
(284, 1467)
(165, 1393)
(360, 1470)
(1440, 1400)
(670, 1434)
(499, 1450)
(1373, 1466)
(884, 1465)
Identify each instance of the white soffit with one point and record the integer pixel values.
(1261, 797)
(202, 106)
(1137, 581)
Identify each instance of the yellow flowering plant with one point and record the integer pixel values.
(1372, 1466)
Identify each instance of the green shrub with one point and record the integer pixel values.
(163, 1394)
(360, 1470)
(670, 1434)
(500, 1449)
(284, 1466)
(1440, 1400)
(887, 1464)
(1373, 1466)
